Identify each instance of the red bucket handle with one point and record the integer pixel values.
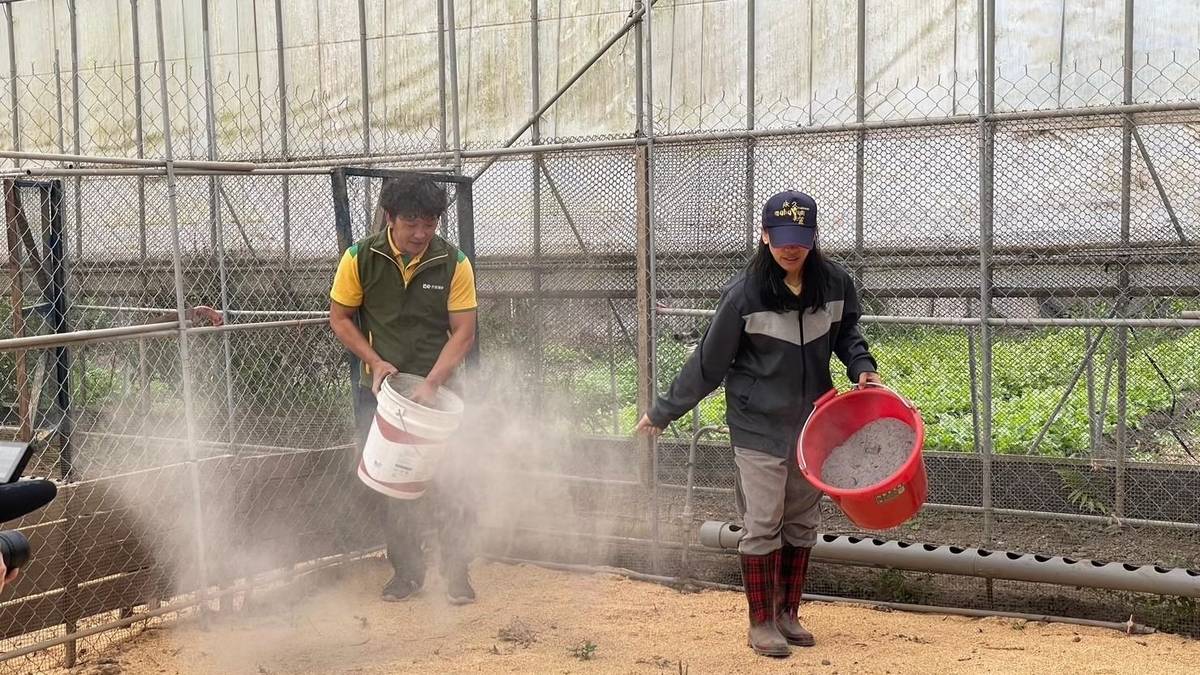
(821, 400)
(895, 393)
(825, 398)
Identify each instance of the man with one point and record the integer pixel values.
(414, 294)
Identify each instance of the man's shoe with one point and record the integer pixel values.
(399, 589)
(459, 590)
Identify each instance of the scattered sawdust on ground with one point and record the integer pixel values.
(534, 620)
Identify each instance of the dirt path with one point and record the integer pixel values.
(533, 620)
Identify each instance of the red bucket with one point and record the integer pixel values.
(836, 417)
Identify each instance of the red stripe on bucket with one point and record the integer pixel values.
(415, 487)
(397, 435)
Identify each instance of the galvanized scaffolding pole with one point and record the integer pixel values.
(215, 221)
(75, 125)
(751, 122)
(365, 93)
(646, 18)
(12, 81)
(139, 125)
(452, 58)
(67, 460)
(535, 138)
(441, 41)
(860, 138)
(139, 140)
(987, 144)
(1123, 277)
(694, 138)
(281, 73)
(189, 413)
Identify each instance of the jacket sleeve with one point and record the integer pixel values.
(705, 369)
(851, 347)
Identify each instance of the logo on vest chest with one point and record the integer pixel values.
(433, 287)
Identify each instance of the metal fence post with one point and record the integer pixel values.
(860, 139)
(75, 125)
(56, 290)
(16, 268)
(614, 396)
(218, 228)
(647, 294)
(139, 131)
(71, 626)
(441, 31)
(1093, 422)
(1123, 280)
(283, 132)
(455, 119)
(987, 140)
(258, 82)
(181, 310)
(364, 74)
(139, 139)
(465, 212)
(535, 90)
(12, 81)
(57, 251)
(344, 229)
(58, 102)
(751, 122)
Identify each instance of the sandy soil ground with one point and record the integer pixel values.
(531, 620)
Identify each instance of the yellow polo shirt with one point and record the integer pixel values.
(347, 287)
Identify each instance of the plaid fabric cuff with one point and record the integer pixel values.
(759, 573)
(793, 569)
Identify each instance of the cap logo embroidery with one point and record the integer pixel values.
(792, 210)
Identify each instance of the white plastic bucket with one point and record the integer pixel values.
(407, 440)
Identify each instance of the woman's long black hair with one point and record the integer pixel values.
(776, 296)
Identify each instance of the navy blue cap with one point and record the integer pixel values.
(790, 219)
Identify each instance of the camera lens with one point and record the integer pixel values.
(15, 549)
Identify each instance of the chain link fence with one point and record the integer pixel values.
(185, 467)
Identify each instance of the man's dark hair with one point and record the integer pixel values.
(412, 197)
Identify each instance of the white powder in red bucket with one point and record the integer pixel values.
(870, 456)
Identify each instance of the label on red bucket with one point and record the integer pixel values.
(890, 494)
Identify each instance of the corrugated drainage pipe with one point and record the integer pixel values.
(1128, 627)
(978, 562)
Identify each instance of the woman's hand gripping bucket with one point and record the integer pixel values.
(407, 439)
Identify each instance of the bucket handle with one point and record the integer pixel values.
(400, 414)
(895, 393)
(822, 400)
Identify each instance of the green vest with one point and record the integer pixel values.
(406, 326)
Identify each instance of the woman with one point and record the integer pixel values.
(770, 342)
